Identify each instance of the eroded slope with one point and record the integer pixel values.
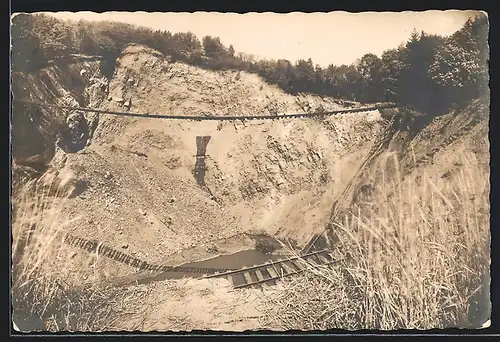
(276, 177)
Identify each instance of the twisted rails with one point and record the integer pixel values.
(268, 272)
(211, 117)
(93, 246)
(272, 271)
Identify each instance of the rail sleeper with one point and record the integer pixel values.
(323, 258)
(247, 277)
(294, 264)
(259, 275)
(287, 268)
(272, 272)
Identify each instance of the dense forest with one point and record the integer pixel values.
(428, 72)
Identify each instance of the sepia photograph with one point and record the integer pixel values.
(180, 172)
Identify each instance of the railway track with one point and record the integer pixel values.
(93, 246)
(269, 273)
(212, 117)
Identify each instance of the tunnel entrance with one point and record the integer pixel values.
(200, 167)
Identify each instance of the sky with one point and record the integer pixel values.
(327, 38)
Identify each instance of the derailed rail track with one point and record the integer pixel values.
(267, 273)
(212, 117)
(93, 246)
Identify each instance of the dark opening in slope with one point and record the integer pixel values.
(200, 167)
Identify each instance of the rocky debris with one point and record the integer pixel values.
(127, 103)
(59, 159)
(78, 132)
(213, 249)
(170, 220)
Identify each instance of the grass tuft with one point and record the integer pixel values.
(46, 283)
(415, 257)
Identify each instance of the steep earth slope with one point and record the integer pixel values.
(278, 178)
(419, 147)
(75, 81)
(428, 145)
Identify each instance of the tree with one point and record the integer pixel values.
(414, 85)
(214, 48)
(230, 51)
(83, 38)
(460, 66)
(25, 44)
(55, 36)
(319, 80)
(370, 68)
(281, 72)
(334, 80)
(186, 42)
(305, 75)
(246, 57)
(352, 82)
(392, 64)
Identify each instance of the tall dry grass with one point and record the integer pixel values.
(416, 257)
(50, 280)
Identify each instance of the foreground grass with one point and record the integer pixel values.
(48, 278)
(416, 257)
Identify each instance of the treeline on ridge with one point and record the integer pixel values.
(428, 72)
